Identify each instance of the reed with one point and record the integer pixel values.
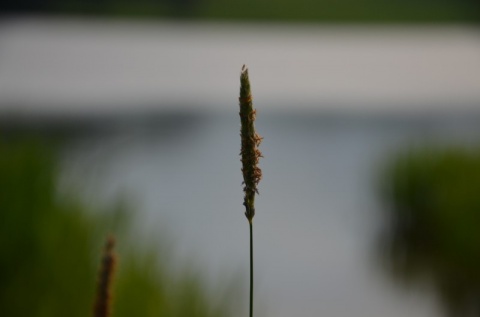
(250, 154)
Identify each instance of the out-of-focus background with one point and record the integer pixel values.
(122, 117)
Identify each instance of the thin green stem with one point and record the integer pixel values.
(251, 268)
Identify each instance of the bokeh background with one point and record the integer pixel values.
(122, 117)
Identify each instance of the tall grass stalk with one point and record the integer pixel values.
(250, 154)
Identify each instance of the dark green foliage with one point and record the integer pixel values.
(435, 231)
(50, 251)
(344, 10)
(45, 245)
(279, 10)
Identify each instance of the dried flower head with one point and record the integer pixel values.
(250, 153)
(103, 300)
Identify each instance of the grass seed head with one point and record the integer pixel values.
(250, 153)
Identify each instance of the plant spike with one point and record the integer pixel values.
(250, 153)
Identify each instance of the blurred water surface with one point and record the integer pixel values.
(319, 212)
(78, 67)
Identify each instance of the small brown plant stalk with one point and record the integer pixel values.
(103, 301)
(250, 154)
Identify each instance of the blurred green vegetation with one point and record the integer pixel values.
(269, 10)
(51, 247)
(344, 10)
(435, 234)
